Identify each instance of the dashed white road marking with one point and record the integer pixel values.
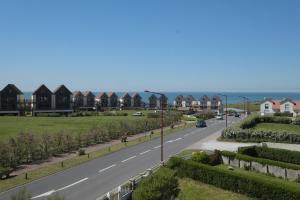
(145, 152)
(170, 141)
(157, 147)
(177, 139)
(132, 157)
(102, 170)
(63, 188)
(185, 135)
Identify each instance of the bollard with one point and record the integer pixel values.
(62, 164)
(26, 176)
(88, 155)
(109, 149)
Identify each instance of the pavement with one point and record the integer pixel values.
(92, 179)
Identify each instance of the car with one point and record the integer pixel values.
(138, 114)
(237, 115)
(219, 117)
(200, 123)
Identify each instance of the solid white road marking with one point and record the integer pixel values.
(102, 170)
(145, 152)
(128, 159)
(63, 188)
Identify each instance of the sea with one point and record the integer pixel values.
(232, 97)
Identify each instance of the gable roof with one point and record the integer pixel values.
(101, 94)
(216, 98)
(12, 86)
(136, 95)
(190, 98)
(204, 98)
(163, 97)
(297, 106)
(77, 93)
(110, 94)
(40, 88)
(62, 87)
(126, 95)
(153, 96)
(287, 100)
(179, 97)
(88, 93)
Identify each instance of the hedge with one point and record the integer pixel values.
(161, 185)
(282, 155)
(262, 161)
(253, 186)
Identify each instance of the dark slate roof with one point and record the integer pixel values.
(180, 97)
(111, 94)
(13, 87)
(126, 95)
(136, 95)
(287, 100)
(88, 93)
(163, 97)
(77, 93)
(205, 98)
(62, 87)
(101, 94)
(190, 98)
(41, 87)
(153, 96)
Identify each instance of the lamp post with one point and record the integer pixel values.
(223, 95)
(245, 99)
(161, 124)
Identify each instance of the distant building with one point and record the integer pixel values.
(42, 99)
(205, 103)
(112, 100)
(102, 99)
(136, 100)
(77, 99)
(189, 101)
(152, 101)
(269, 106)
(11, 100)
(88, 99)
(125, 101)
(178, 101)
(63, 98)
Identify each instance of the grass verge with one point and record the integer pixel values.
(68, 163)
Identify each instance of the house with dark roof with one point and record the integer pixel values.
(189, 101)
(136, 100)
(112, 100)
(163, 101)
(88, 99)
(63, 97)
(205, 103)
(102, 100)
(178, 101)
(153, 101)
(125, 101)
(42, 99)
(11, 100)
(77, 100)
(216, 103)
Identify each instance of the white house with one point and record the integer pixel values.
(270, 106)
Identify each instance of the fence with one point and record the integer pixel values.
(124, 191)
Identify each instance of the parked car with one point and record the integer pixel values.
(200, 123)
(237, 115)
(219, 117)
(137, 114)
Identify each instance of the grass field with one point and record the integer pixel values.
(12, 125)
(253, 106)
(195, 190)
(291, 128)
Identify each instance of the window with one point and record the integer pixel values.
(287, 107)
(267, 106)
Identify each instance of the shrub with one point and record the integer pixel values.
(215, 158)
(284, 114)
(81, 152)
(161, 185)
(282, 155)
(205, 115)
(247, 184)
(21, 195)
(201, 157)
(153, 115)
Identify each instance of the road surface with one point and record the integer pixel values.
(90, 180)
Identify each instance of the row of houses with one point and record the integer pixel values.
(270, 106)
(62, 100)
(204, 103)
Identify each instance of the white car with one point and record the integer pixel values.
(138, 114)
(219, 117)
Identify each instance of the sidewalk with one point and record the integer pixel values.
(211, 143)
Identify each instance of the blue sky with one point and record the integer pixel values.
(165, 45)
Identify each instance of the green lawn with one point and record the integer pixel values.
(13, 125)
(253, 106)
(291, 128)
(195, 190)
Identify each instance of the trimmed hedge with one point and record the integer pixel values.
(284, 114)
(262, 161)
(161, 185)
(229, 180)
(282, 155)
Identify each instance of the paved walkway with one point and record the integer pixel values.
(211, 143)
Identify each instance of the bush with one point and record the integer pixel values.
(247, 184)
(205, 115)
(284, 114)
(215, 158)
(281, 155)
(81, 152)
(153, 115)
(161, 185)
(201, 157)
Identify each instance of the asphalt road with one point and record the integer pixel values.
(91, 179)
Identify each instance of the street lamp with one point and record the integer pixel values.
(161, 124)
(226, 107)
(245, 99)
